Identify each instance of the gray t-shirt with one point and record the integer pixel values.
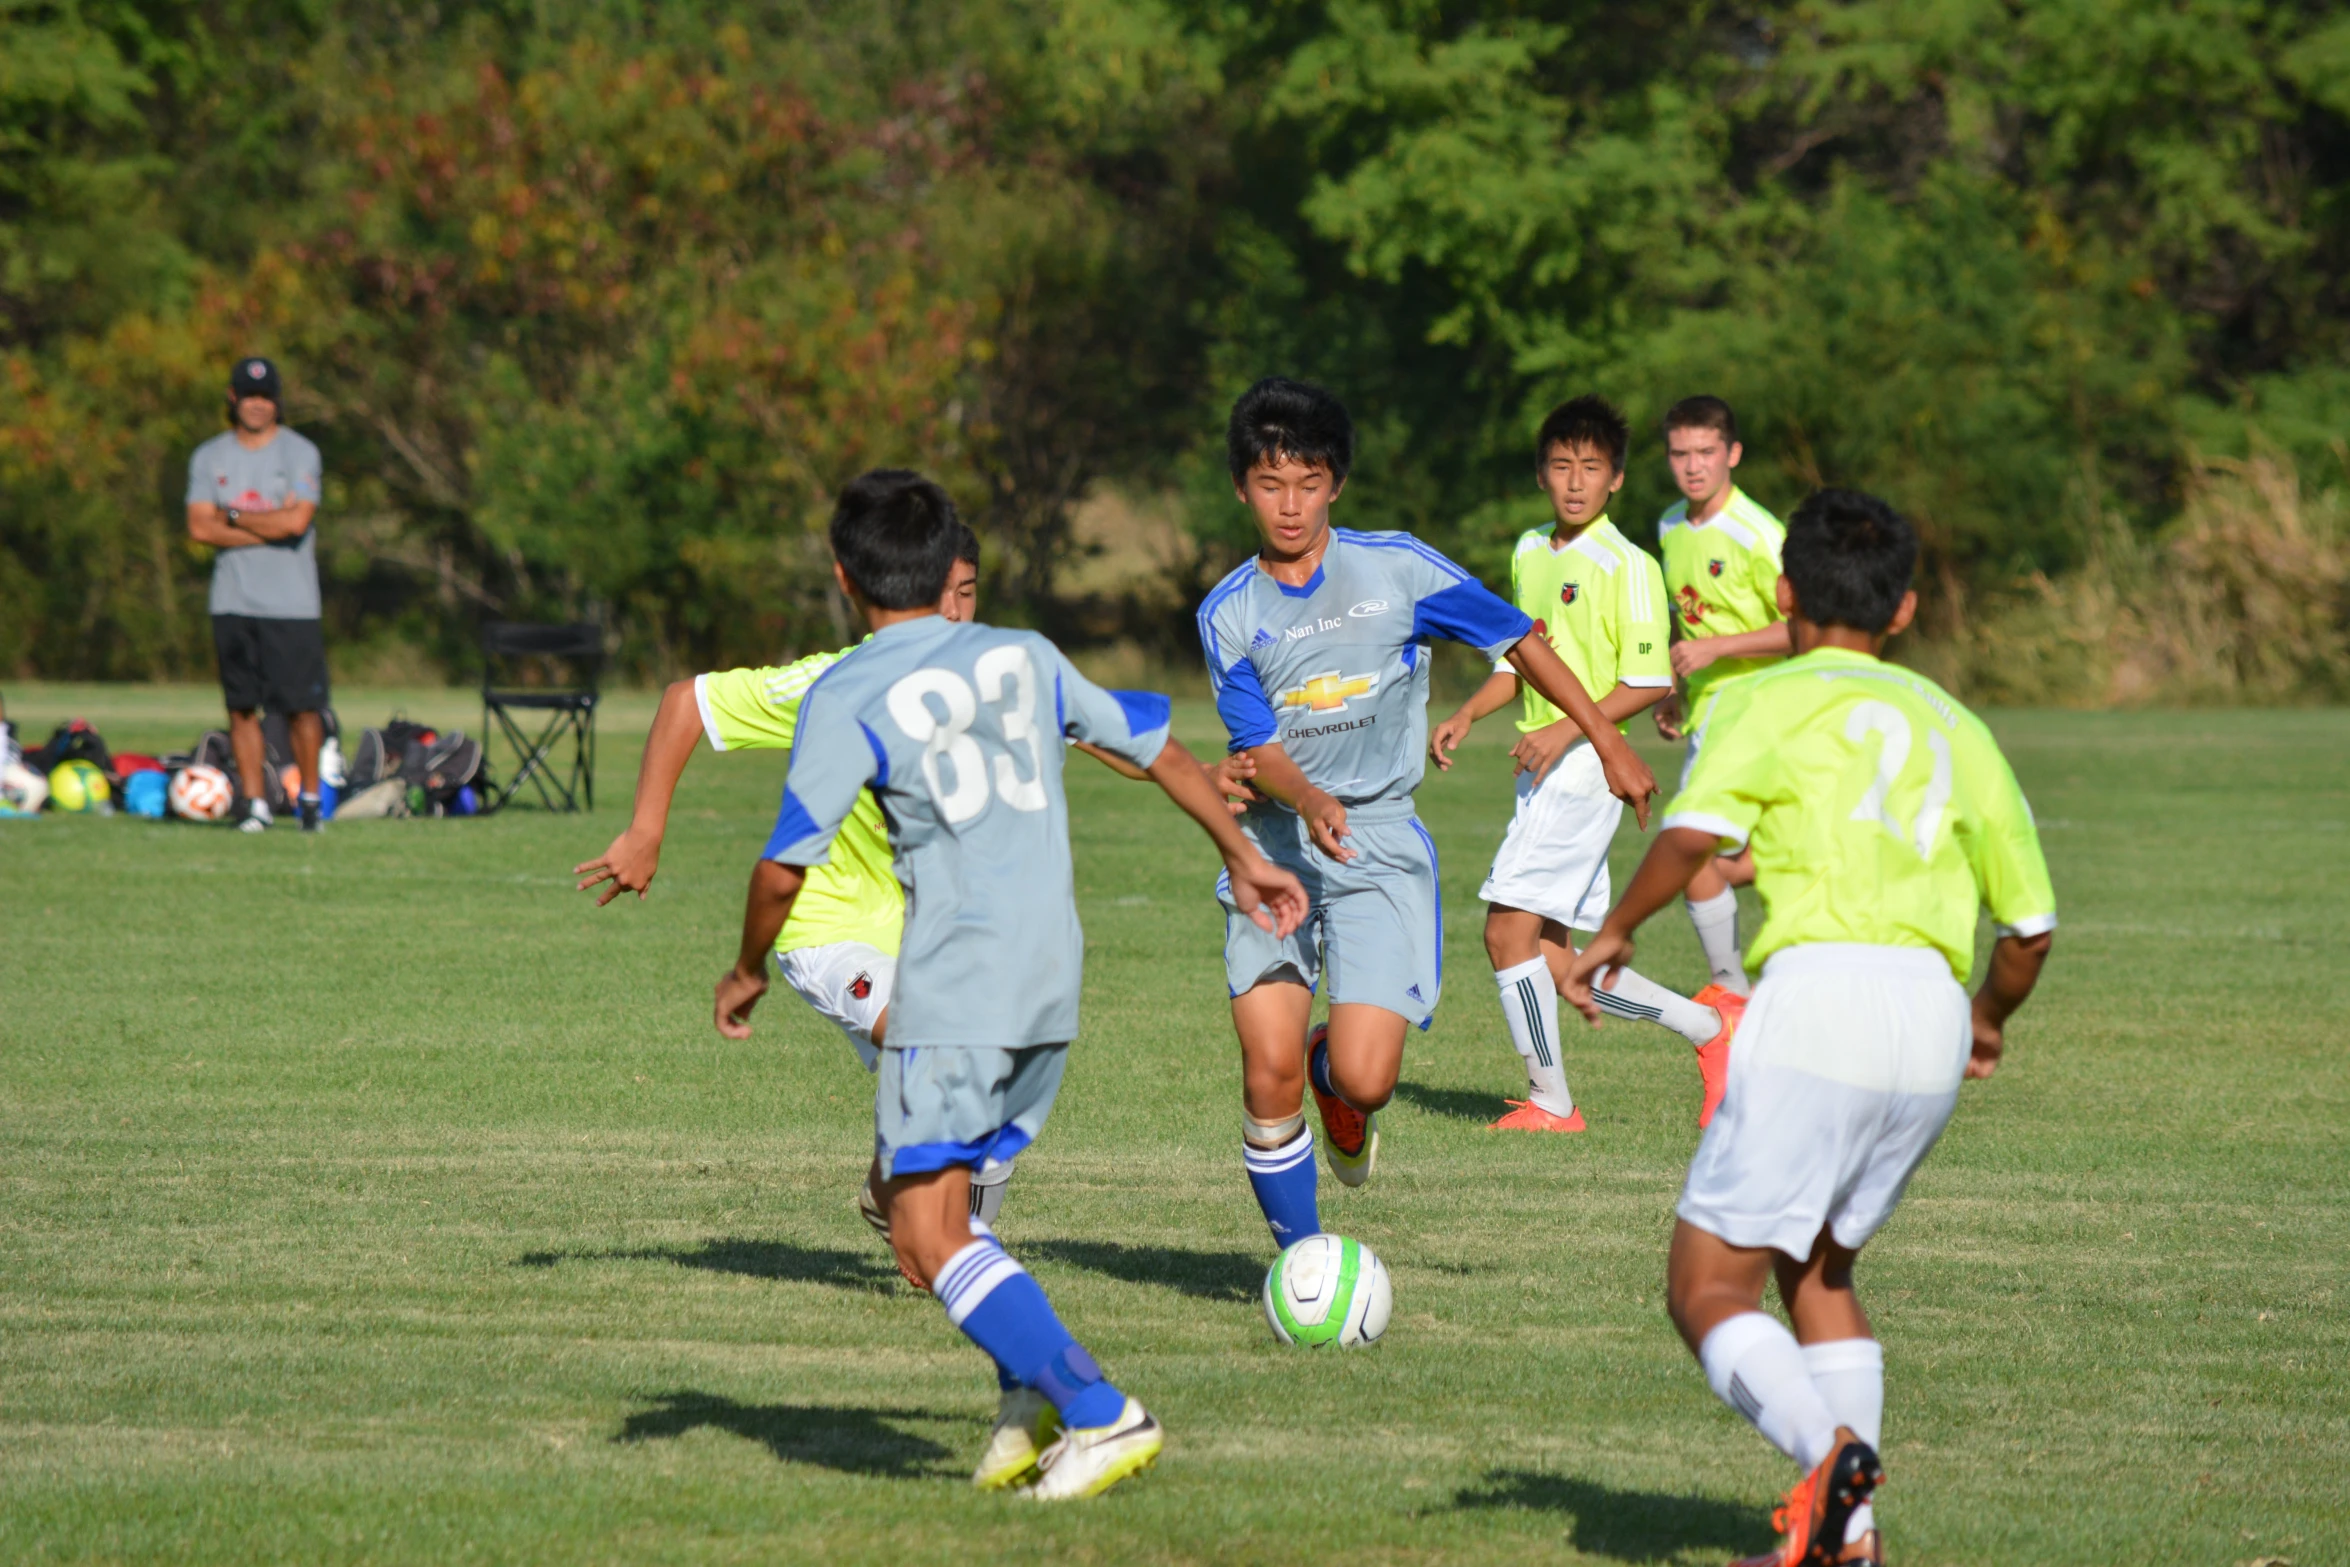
(958, 731)
(270, 581)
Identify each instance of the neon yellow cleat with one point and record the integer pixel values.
(1090, 1459)
(1024, 1423)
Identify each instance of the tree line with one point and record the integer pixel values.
(592, 307)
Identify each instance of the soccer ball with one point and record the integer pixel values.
(77, 785)
(1327, 1289)
(201, 794)
(22, 791)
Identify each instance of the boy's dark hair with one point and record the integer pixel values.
(896, 535)
(1279, 418)
(1590, 420)
(966, 545)
(1703, 413)
(1849, 557)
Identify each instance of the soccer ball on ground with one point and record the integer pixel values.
(1327, 1289)
(77, 785)
(22, 791)
(201, 794)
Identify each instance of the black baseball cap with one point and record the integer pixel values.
(254, 378)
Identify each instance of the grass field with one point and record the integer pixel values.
(374, 1198)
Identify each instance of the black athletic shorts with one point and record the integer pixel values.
(276, 666)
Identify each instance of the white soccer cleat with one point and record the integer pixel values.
(1090, 1459)
(1024, 1423)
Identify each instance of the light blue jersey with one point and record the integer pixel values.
(1337, 670)
(958, 731)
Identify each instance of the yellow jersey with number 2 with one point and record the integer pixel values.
(855, 895)
(1723, 575)
(1879, 810)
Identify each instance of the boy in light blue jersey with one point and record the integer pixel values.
(958, 730)
(1317, 649)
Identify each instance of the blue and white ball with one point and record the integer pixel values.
(1327, 1289)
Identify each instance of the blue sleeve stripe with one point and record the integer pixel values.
(1146, 711)
(1241, 703)
(1210, 645)
(1472, 613)
(880, 755)
(793, 825)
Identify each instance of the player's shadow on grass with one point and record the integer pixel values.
(853, 1441)
(1460, 1104)
(1204, 1275)
(1631, 1526)
(755, 1259)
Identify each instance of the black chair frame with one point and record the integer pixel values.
(570, 711)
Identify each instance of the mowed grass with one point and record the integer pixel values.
(375, 1198)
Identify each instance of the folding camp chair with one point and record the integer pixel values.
(510, 651)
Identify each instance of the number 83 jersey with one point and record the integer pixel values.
(1880, 811)
(958, 730)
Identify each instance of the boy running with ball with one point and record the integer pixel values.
(957, 731)
(1317, 651)
(1600, 602)
(1881, 816)
(1721, 552)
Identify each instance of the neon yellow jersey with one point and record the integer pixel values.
(855, 896)
(1600, 601)
(1880, 811)
(1723, 574)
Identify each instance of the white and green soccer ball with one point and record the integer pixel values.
(1327, 1289)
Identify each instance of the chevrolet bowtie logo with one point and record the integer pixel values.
(1329, 691)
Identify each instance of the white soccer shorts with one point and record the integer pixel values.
(1843, 1072)
(1554, 860)
(848, 982)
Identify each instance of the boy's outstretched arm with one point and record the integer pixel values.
(1628, 777)
(774, 888)
(635, 855)
(1267, 894)
(1664, 875)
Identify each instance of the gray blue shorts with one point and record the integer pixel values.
(935, 1106)
(1376, 929)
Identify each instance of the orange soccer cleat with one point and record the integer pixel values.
(1815, 1513)
(1350, 1139)
(1531, 1117)
(1713, 1057)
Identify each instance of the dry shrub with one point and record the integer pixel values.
(2244, 600)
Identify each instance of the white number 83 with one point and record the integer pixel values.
(952, 763)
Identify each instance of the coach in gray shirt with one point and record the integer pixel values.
(253, 494)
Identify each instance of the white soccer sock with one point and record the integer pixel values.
(1755, 1366)
(1850, 1374)
(1716, 919)
(1530, 1005)
(1626, 994)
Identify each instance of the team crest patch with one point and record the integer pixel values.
(862, 987)
(1713, 568)
(1568, 593)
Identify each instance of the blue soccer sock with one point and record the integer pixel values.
(1283, 1178)
(1002, 1310)
(1318, 1068)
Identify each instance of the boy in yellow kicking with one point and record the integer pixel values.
(1721, 552)
(1598, 599)
(1881, 816)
